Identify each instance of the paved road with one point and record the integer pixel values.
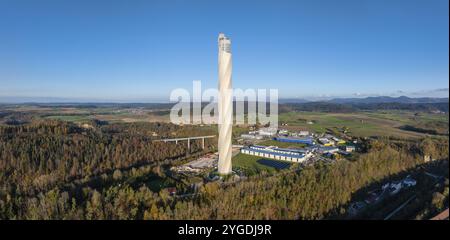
(400, 207)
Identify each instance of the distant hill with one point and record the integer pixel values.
(316, 107)
(354, 107)
(385, 99)
(292, 100)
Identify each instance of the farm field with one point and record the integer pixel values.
(363, 124)
(85, 114)
(393, 123)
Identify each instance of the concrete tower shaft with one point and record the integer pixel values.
(225, 105)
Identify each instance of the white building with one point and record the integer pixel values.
(392, 188)
(251, 136)
(283, 132)
(269, 132)
(325, 150)
(349, 148)
(409, 182)
(303, 133)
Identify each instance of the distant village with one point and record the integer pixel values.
(307, 145)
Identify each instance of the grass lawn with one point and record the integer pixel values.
(250, 165)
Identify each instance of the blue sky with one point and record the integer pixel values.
(141, 50)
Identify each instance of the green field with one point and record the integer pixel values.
(110, 117)
(249, 164)
(364, 124)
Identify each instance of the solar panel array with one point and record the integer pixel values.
(274, 164)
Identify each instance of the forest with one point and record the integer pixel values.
(59, 170)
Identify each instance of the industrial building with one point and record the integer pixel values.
(292, 155)
(338, 141)
(251, 136)
(327, 149)
(307, 140)
(283, 132)
(303, 133)
(326, 142)
(269, 131)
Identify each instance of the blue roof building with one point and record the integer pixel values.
(307, 141)
(292, 155)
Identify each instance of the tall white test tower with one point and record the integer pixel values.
(225, 105)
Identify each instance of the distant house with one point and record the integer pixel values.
(87, 126)
(373, 198)
(427, 158)
(441, 216)
(283, 132)
(409, 182)
(172, 190)
(393, 188)
(350, 148)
